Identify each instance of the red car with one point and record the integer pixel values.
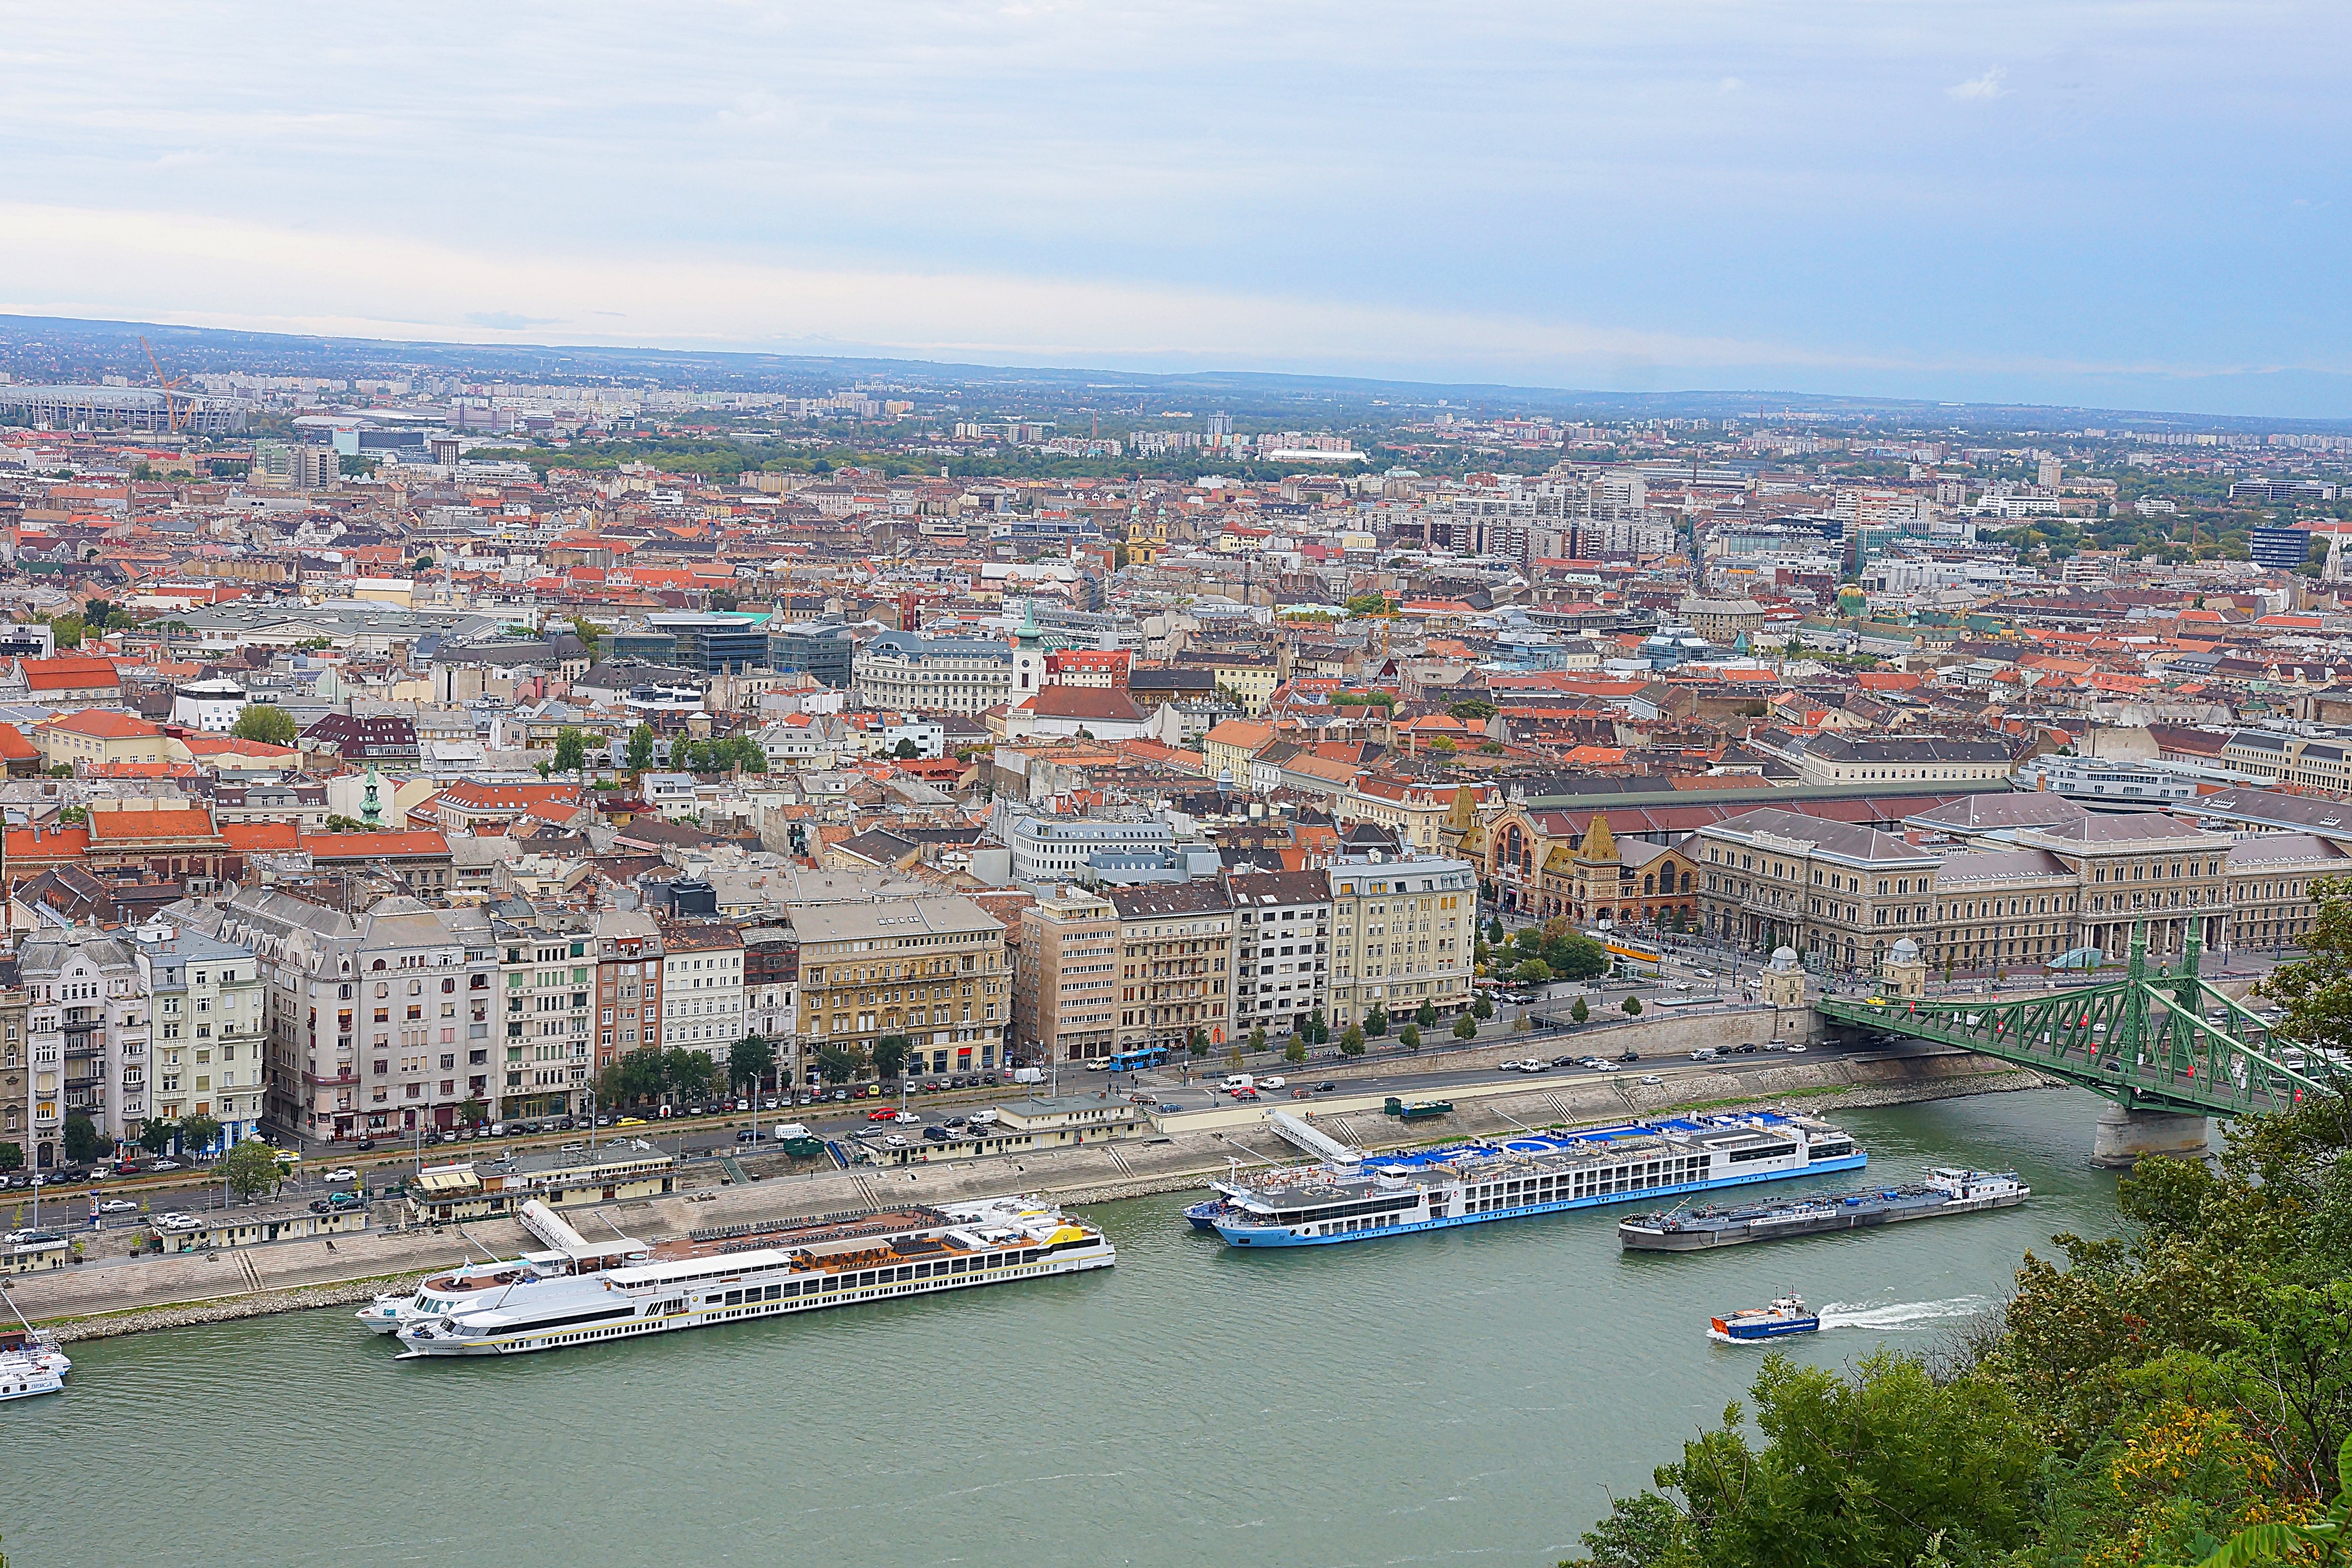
(885, 1114)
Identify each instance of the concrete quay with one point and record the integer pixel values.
(123, 1296)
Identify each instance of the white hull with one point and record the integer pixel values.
(446, 1342)
(28, 1376)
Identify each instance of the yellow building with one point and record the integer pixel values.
(97, 736)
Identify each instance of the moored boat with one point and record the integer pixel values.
(772, 1270)
(30, 1362)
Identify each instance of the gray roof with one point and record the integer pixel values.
(2001, 866)
(1847, 840)
(2283, 849)
(1839, 748)
(1998, 813)
(2117, 827)
(2275, 808)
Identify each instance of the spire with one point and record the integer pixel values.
(371, 808)
(1599, 844)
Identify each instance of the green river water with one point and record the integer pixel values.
(1468, 1397)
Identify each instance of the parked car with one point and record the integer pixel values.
(1274, 1082)
(1652, 1078)
(164, 1166)
(178, 1222)
(117, 1206)
(884, 1115)
(907, 1119)
(894, 1142)
(938, 1134)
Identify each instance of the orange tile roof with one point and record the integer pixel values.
(13, 747)
(104, 725)
(258, 837)
(170, 822)
(369, 846)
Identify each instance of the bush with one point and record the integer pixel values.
(1376, 1024)
(1352, 1042)
(1295, 1051)
(1409, 1037)
(1633, 1006)
(1465, 1027)
(1580, 1012)
(1534, 971)
(1425, 1015)
(1483, 1008)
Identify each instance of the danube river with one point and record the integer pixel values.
(1471, 1396)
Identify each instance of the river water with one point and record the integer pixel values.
(1469, 1396)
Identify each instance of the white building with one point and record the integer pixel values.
(208, 1000)
(932, 675)
(87, 1027)
(211, 706)
(702, 987)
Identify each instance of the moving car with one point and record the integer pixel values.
(1273, 1083)
(117, 1206)
(1652, 1078)
(907, 1119)
(885, 1114)
(1327, 1089)
(340, 1173)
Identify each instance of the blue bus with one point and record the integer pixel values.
(1131, 1061)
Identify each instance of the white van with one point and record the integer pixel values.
(1028, 1075)
(982, 1117)
(1704, 1054)
(790, 1130)
(1236, 1080)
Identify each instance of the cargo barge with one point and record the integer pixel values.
(1947, 1191)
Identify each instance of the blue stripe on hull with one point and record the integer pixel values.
(1774, 1331)
(1250, 1236)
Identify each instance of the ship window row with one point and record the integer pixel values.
(1832, 1150)
(1761, 1151)
(866, 1279)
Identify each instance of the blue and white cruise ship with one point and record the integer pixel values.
(1353, 1195)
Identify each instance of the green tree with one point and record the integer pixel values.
(251, 1168)
(750, 1062)
(198, 1134)
(1495, 930)
(1483, 1008)
(473, 1113)
(1319, 1028)
(1474, 711)
(1376, 1022)
(338, 822)
(1295, 1051)
(1633, 1006)
(1409, 1037)
(689, 1075)
(1576, 957)
(839, 1064)
(641, 747)
(571, 751)
(1579, 1013)
(906, 750)
(1352, 1043)
(890, 1053)
(267, 725)
(1258, 1038)
(590, 633)
(83, 1144)
(1425, 1015)
(1465, 1028)
(1534, 971)
(12, 1157)
(66, 631)
(155, 1136)
(1199, 1043)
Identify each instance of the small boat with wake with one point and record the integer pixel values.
(1787, 1315)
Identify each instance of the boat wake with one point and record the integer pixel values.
(1898, 1317)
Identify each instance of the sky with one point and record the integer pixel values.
(2117, 205)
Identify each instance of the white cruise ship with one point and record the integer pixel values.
(764, 1271)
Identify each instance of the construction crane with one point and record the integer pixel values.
(170, 389)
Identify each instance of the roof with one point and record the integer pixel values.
(13, 747)
(1105, 702)
(103, 724)
(1992, 813)
(1169, 901)
(2283, 849)
(374, 846)
(1278, 887)
(1803, 832)
(1837, 748)
(2123, 827)
(2001, 865)
(192, 822)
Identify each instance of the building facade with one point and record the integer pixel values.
(88, 1027)
(1402, 933)
(209, 1027)
(1281, 962)
(1066, 998)
(547, 978)
(930, 968)
(1176, 944)
(933, 675)
(701, 987)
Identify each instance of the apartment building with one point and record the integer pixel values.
(2322, 764)
(772, 976)
(1420, 815)
(628, 984)
(87, 1028)
(932, 675)
(375, 1023)
(15, 1061)
(1176, 944)
(931, 968)
(1065, 996)
(208, 1004)
(1402, 933)
(547, 976)
(1281, 962)
(701, 987)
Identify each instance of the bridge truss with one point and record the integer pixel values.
(2168, 1041)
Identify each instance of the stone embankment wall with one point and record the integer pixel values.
(116, 1296)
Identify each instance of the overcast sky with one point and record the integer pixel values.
(2135, 205)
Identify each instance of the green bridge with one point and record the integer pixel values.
(2168, 1049)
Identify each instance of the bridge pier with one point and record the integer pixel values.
(2123, 1136)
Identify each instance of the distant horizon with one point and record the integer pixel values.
(865, 359)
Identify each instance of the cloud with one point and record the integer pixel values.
(1730, 84)
(1986, 86)
(507, 321)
